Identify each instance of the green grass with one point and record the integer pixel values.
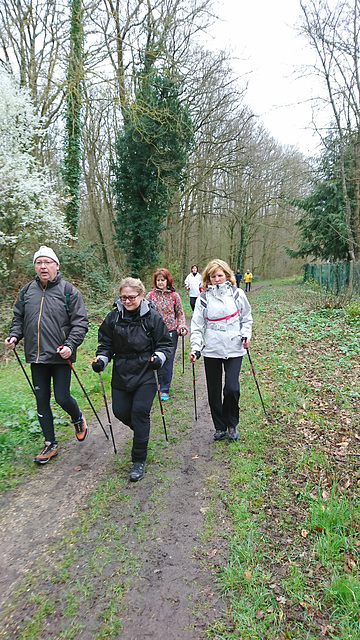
(292, 569)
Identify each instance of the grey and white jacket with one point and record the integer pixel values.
(222, 316)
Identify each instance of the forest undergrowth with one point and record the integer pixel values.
(283, 500)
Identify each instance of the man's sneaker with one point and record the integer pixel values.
(233, 434)
(164, 396)
(49, 451)
(136, 471)
(81, 428)
(219, 435)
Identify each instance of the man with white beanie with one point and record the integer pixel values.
(50, 314)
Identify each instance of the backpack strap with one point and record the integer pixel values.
(67, 292)
(23, 291)
(203, 299)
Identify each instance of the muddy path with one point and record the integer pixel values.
(172, 594)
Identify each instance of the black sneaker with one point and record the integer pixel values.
(233, 434)
(219, 435)
(49, 451)
(136, 471)
(81, 428)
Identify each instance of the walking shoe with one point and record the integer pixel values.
(233, 434)
(81, 428)
(164, 396)
(219, 435)
(136, 471)
(49, 451)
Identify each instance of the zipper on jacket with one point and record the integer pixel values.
(38, 325)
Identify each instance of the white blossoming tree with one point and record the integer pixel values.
(30, 208)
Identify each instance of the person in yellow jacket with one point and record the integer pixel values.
(247, 279)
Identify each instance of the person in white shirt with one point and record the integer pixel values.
(193, 283)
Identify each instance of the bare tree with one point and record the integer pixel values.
(334, 35)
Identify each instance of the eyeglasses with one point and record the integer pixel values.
(45, 262)
(130, 298)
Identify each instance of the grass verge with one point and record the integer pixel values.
(292, 496)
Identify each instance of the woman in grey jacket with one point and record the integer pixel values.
(221, 332)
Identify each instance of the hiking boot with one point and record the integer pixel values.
(49, 451)
(164, 396)
(233, 434)
(81, 428)
(219, 434)
(136, 471)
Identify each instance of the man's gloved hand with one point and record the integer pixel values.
(194, 355)
(98, 365)
(156, 362)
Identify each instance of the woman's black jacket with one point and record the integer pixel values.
(131, 343)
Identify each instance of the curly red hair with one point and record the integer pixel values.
(165, 274)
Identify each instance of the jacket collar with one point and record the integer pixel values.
(50, 283)
(219, 289)
(144, 306)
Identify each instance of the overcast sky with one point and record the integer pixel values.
(261, 35)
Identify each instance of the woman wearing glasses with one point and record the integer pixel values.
(135, 336)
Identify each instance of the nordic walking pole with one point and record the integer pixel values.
(160, 402)
(87, 397)
(194, 387)
(183, 353)
(26, 375)
(107, 411)
(257, 384)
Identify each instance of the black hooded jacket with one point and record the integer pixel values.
(131, 343)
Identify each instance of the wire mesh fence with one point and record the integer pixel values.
(339, 277)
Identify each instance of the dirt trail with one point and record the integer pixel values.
(173, 581)
(34, 514)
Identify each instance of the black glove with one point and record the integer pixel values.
(98, 365)
(156, 362)
(198, 354)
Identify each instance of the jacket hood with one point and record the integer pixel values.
(219, 289)
(144, 306)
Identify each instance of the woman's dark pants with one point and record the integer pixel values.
(224, 402)
(133, 409)
(167, 368)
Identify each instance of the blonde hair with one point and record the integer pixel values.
(213, 266)
(134, 283)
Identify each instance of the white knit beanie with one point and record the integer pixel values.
(47, 253)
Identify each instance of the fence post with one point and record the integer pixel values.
(351, 277)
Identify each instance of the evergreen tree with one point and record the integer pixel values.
(323, 232)
(151, 157)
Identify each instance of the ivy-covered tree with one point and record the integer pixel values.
(72, 151)
(151, 157)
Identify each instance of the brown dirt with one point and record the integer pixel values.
(172, 596)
